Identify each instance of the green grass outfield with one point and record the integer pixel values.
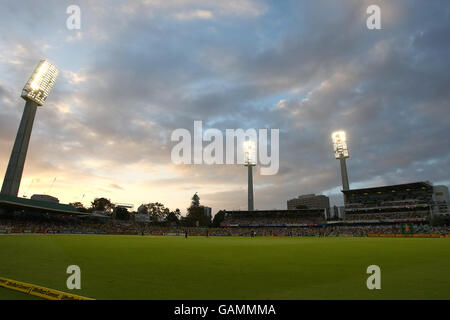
(136, 267)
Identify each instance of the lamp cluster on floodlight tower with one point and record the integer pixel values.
(250, 162)
(341, 152)
(35, 93)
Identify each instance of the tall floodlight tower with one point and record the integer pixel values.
(35, 93)
(341, 153)
(250, 162)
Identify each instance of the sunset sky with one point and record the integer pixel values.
(138, 70)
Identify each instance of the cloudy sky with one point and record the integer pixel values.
(137, 70)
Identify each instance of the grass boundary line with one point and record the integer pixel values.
(38, 291)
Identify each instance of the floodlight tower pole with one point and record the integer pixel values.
(250, 166)
(345, 184)
(13, 175)
(35, 93)
(250, 162)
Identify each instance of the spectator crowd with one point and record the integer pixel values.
(77, 226)
(386, 215)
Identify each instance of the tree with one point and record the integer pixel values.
(157, 211)
(79, 206)
(121, 213)
(195, 201)
(102, 204)
(196, 215)
(218, 218)
(174, 216)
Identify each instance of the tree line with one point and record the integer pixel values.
(197, 215)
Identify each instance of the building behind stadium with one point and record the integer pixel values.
(310, 201)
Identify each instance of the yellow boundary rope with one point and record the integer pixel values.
(39, 291)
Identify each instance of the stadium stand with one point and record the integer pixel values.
(273, 218)
(408, 202)
(14, 203)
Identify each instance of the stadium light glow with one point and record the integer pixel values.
(250, 162)
(40, 83)
(340, 144)
(250, 153)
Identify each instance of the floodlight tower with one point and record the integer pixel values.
(250, 162)
(35, 93)
(341, 153)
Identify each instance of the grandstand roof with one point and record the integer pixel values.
(404, 186)
(37, 205)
